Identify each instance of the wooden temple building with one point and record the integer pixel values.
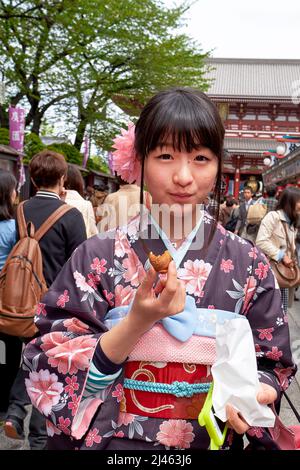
(259, 102)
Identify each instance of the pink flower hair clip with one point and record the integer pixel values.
(124, 159)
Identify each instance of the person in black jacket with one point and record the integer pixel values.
(48, 171)
(241, 225)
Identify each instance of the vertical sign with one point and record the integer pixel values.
(16, 138)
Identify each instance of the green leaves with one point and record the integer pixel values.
(72, 59)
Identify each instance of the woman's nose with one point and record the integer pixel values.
(183, 175)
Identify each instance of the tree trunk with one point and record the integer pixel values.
(80, 133)
(37, 121)
(4, 122)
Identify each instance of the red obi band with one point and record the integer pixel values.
(164, 405)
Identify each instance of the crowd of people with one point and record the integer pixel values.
(88, 367)
(280, 209)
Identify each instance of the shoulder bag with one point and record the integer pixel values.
(287, 276)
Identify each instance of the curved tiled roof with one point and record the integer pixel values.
(251, 145)
(6, 149)
(261, 78)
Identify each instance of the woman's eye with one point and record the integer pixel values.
(201, 158)
(164, 156)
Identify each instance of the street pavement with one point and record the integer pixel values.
(286, 414)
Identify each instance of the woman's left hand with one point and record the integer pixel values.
(265, 396)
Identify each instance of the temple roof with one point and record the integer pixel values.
(254, 78)
(251, 145)
(7, 150)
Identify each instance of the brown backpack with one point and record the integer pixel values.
(22, 283)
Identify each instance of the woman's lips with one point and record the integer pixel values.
(181, 197)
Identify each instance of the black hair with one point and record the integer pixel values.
(188, 119)
(74, 179)
(100, 186)
(287, 202)
(230, 202)
(249, 188)
(7, 184)
(271, 190)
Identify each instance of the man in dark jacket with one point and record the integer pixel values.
(241, 225)
(48, 171)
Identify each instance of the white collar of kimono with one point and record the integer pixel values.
(180, 253)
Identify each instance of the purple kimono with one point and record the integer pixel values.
(230, 274)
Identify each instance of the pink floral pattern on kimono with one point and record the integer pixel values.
(41, 309)
(71, 354)
(76, 326)
(93, 437)
(99, 265)
(82, 283)
(194, 274)
(123, 295)
(63, 299)
(134, 271)
(44, 390)
(227, 265)
(249, 291)
(283, 375)
(122, 246)
(176, 433)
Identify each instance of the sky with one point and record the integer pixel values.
(263, 29)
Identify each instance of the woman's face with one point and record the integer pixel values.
(297, 208)
(180, 179)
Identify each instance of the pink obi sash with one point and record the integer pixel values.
(158, 345)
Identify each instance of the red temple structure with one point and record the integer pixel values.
(259, 102)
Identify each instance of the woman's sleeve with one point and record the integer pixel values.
(269, 325)
(64, 360)
(263, 239)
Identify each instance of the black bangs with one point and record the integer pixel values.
(183, 118)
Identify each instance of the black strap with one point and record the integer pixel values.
(291, 405)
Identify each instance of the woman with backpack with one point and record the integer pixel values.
(49, 231)
(10, 346)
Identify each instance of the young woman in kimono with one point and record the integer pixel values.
(113, 367)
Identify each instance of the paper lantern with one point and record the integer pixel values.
(280, 149)
(267, 161)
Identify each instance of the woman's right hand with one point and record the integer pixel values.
(118, 342)
(147, 308)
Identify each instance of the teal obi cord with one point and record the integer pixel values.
(179, 389)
